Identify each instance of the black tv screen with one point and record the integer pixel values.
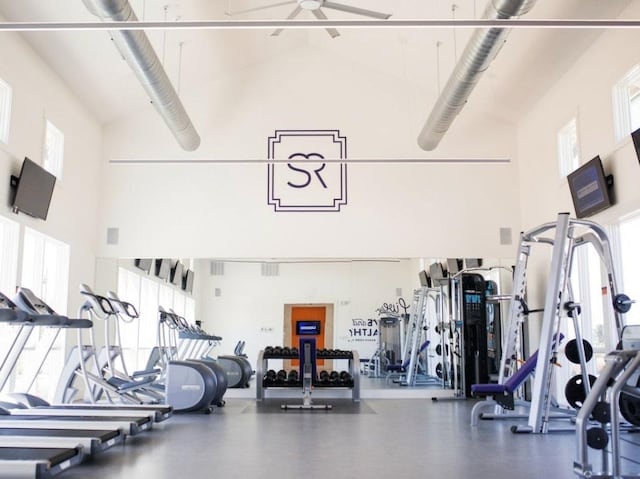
(308, 328)
(187, 281)
(176, 273)
(144, 264)
(163, 266)
(33, 190)
(635, 136)
(588, 186)
(424, 279)
(437, 274)
(454, 265)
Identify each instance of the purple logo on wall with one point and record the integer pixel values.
(306, 172)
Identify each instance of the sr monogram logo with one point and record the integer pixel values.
(305, 172)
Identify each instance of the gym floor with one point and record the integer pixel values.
(379, 438)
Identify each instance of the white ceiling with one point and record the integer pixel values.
(93, 69)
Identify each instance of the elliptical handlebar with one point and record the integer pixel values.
(98, 304)
(123, 308)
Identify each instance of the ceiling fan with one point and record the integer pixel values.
(315, 7)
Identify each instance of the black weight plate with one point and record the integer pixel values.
(602, 412)
(630, 408)
(439, 349)
(574, 390)
(571, 351)
(597, 438)
(439, 370)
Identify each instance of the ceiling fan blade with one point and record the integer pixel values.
(291, 16)
(319, 14)
(263, 7)
(356, 10)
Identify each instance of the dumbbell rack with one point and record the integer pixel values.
(353, 369)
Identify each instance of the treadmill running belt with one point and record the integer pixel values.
(17, 417)
(104, 436)
(53, 455)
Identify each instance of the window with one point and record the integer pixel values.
(53, 150)
(630, 256)
(568, 153)
(9, 233)
(626, 103)
(45, 271)
(6, 95)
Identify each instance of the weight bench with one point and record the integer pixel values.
(502, 394)
(397, 370)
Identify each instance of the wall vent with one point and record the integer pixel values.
(217, 268)
(270, 269)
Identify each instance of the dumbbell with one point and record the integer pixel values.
(269, 378)
(295, 352)
(286, 351)
(334, 376)
(281, 376)
(324, 377)
(293, 376)
(622, 303)
(277, 351)
(268, 350)
(345, 378)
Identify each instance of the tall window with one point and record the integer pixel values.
(140, 336)
(630, 258)
(53, 150)
(626, 103)
(45, 271)
(9, 233)
(568, 152)
(6, 95)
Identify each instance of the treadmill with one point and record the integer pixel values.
(40, 314)
(38, 462)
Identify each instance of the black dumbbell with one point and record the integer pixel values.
(281, 377)
(268, 350)
(292, 377)
(295, 352)
(277, 351)
(324, 377)
(269, 378)
(286, 351)
(334, 376)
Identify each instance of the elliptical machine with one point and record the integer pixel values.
(237, 367)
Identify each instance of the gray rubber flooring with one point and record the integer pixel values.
(380, 438)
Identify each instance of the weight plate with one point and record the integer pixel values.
(439, 350)
(574, 390)
(439, 370)
(602, 412)
(597, 438)
(622, 303)
(630, 408)
(571, 351)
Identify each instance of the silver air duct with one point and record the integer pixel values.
(478, 54)
(137, 50)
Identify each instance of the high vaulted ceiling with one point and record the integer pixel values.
(93, 69)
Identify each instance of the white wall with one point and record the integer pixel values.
(38, 94)
(250, 306)
(220, 210)
(585, 91)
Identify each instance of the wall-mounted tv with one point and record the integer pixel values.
(454, 265)
(437, 274)
(33, 190)
(635, 136)
(176, 273)
(144, 264)
(589, 188)
(187, 281)
(163, 266)
(472, 263)
(424, 279)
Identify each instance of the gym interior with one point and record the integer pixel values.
(355, 238)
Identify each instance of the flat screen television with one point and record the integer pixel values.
(589, 188)
(176, 274)
(454, 265)
(437, 274)
(635, 136)
(33, 190)
(163, 266)
(144, 264)
(424, 279)
(472, 263)
(187, 281)
(308, 328)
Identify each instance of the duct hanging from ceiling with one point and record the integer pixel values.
(484, 45)
(139, 54)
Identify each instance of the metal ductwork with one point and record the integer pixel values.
(484, 45)
(139, 54)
